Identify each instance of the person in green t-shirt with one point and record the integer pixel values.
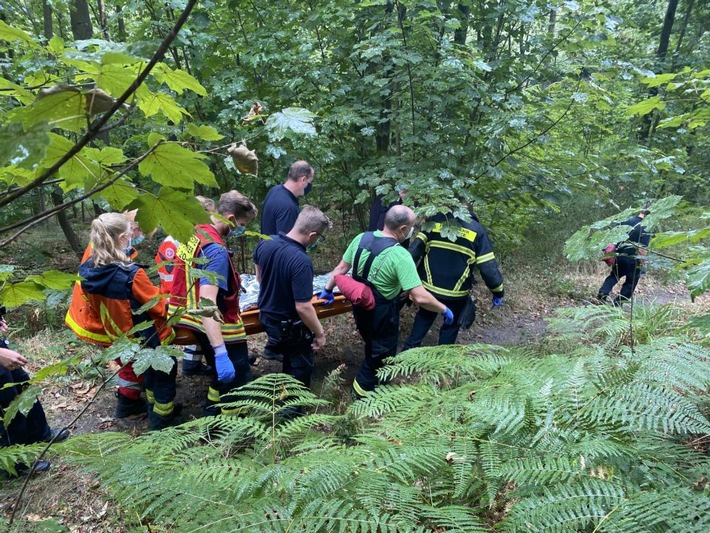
(390, 272)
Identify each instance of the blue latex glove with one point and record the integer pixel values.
(448, 317)
(326, 295)
(497, 300)
(225, 368)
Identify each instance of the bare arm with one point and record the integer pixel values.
(342, 268)
(213, 329)
(423, 298)
(258, 273)
(309, 317)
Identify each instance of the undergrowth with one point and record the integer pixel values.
(465, 438)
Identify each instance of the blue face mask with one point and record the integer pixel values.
(236, 232)
(137, 240)
(308, 189)
(128, 251)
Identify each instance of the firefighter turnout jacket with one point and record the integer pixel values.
(446, 267)
(185, 292)
(105, 302)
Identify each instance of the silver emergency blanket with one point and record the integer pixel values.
(250, 289)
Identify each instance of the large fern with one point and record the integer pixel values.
(463, 437)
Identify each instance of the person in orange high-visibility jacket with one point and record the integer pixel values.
(112, 290)
(223, 344)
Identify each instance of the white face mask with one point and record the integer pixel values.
(409, 234)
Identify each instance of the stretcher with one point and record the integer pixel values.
(250, 317)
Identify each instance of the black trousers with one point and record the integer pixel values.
(624, 267)
(293, 341)
(425, 319)
(379, 329)
(24, 429)
(239, 356)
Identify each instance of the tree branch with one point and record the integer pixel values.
(96, 128)
(32, 221)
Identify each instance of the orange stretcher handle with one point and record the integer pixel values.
(252, 325)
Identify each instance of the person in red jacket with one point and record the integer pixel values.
(223, 343)
(112, 290)
(192, 364)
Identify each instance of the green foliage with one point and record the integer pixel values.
(563, 442)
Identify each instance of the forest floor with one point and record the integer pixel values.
(76, 500)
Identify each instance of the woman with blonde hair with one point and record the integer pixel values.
(113, 290)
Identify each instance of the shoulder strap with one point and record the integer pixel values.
(376, 245)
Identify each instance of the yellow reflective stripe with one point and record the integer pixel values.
(448, 245)
(213, 395)
(150, 396)
(85, 334)
(231, 333)
(498, 288)
(422, 237)
(464, 233)
(485, 258)
(443, 292)
(163, 409)
(358, 389)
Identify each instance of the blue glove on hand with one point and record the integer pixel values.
(225, 368)
(448, 317)
(326, 295)
(497, 300)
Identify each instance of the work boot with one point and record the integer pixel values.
(271, 355)
(604, 299)
(157, 422)
(56, 436)
(195, 368)
(41, 465)
(126, 406)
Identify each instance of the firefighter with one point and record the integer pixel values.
(378, 259)
(285, 274)
(629, 262)
(446, 270)
(192, 364)
(112, 289)
(223, 343)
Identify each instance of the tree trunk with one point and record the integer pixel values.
(650, 119)
(461, 33)
(80, 18)
(47, 18)
(667, 28)
(72, 239)
(121, 24)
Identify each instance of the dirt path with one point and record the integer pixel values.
(519, 321)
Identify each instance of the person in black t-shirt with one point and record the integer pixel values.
(627, 264)
(285, 273)
(280, 209)
(378, 210)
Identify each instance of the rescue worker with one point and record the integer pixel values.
(192, 364)
(113, 288)
(223, 343)
(628, 265)
(285, 274)
(378, 260)
(378, 210)
(446, 270)
(23, 429)
(280, 209)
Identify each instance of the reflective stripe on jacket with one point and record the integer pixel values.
(185, 292)
(104, 304)
(446, 266)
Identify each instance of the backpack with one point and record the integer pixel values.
(609, 254)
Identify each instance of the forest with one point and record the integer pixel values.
(553, 121)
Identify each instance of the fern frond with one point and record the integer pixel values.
(601, 323)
